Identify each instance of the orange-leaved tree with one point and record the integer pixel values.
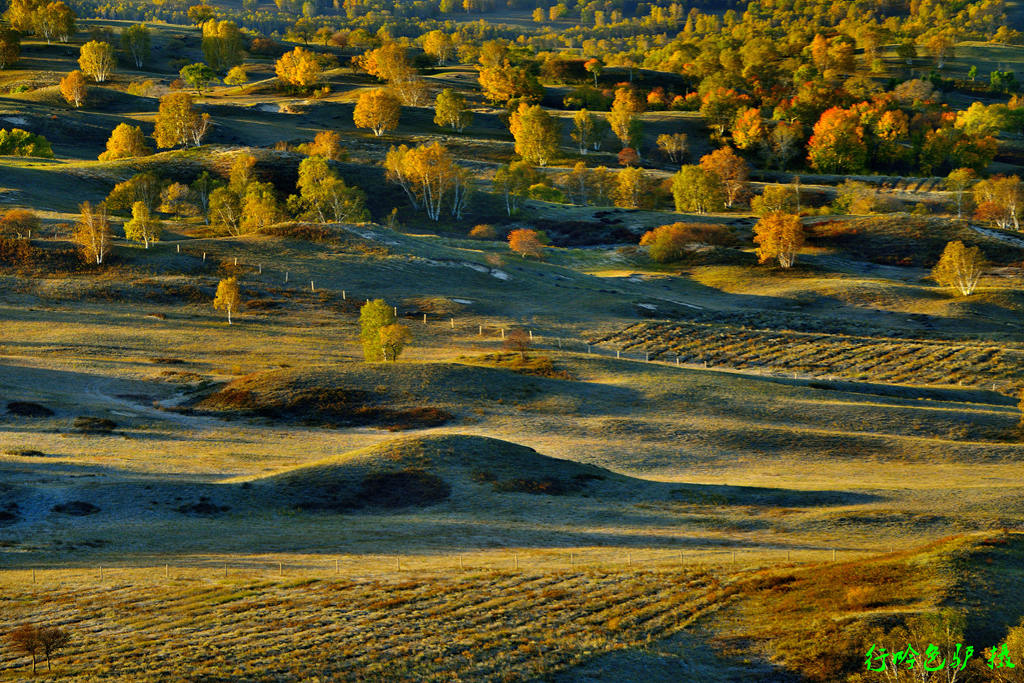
(779, 236)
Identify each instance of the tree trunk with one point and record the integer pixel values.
(229, 315)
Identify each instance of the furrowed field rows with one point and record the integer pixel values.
(486, 627)
(864, 358)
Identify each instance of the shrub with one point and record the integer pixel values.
(668, 243)
(483, 232)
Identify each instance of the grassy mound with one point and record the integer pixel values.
(386, 395)
(420, 471)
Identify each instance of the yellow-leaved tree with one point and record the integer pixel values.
(125, 142)
(96, 59)
(377, 110)
(779, 236)
(178, 123)
(92, 233)
(959, 267)
(228, 297)
(299, 68)
(73, 88)
(535, 133)
(143, 227)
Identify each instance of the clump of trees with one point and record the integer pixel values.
(324, 196)
(178, 122)
(18, 142)
(430, 178)
(670, 243)
(35, 641)
(92, 233)
(959, 268)
(135, 40)
(18, 222)
(382, 337)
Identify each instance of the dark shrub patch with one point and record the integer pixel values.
(28, 409)
(94, 425)
(78, 508)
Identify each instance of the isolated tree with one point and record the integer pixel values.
(588, 130)
(517, 339)
(731, 169)
(226, 210)
(535, 133)
(125, 142)
(73, 88)
(222, 44)
(393, 338)
(526, 242)
(450, 110)
(594, 67)
(299, 68)
(197, 76)
(696, 190)
(958, 182)
(10, 47)
(92, 233)
(837, 145)
(178, 123)
(143, 227)
(25, 639)
(673, 146)
(377, 110)
(96, 59)
(779, 236)
(135, 40)
(373, 317)
(959, 267)
(19, 223)
(228, 297)
(52, 639)
(236, 76)
(623, 117)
